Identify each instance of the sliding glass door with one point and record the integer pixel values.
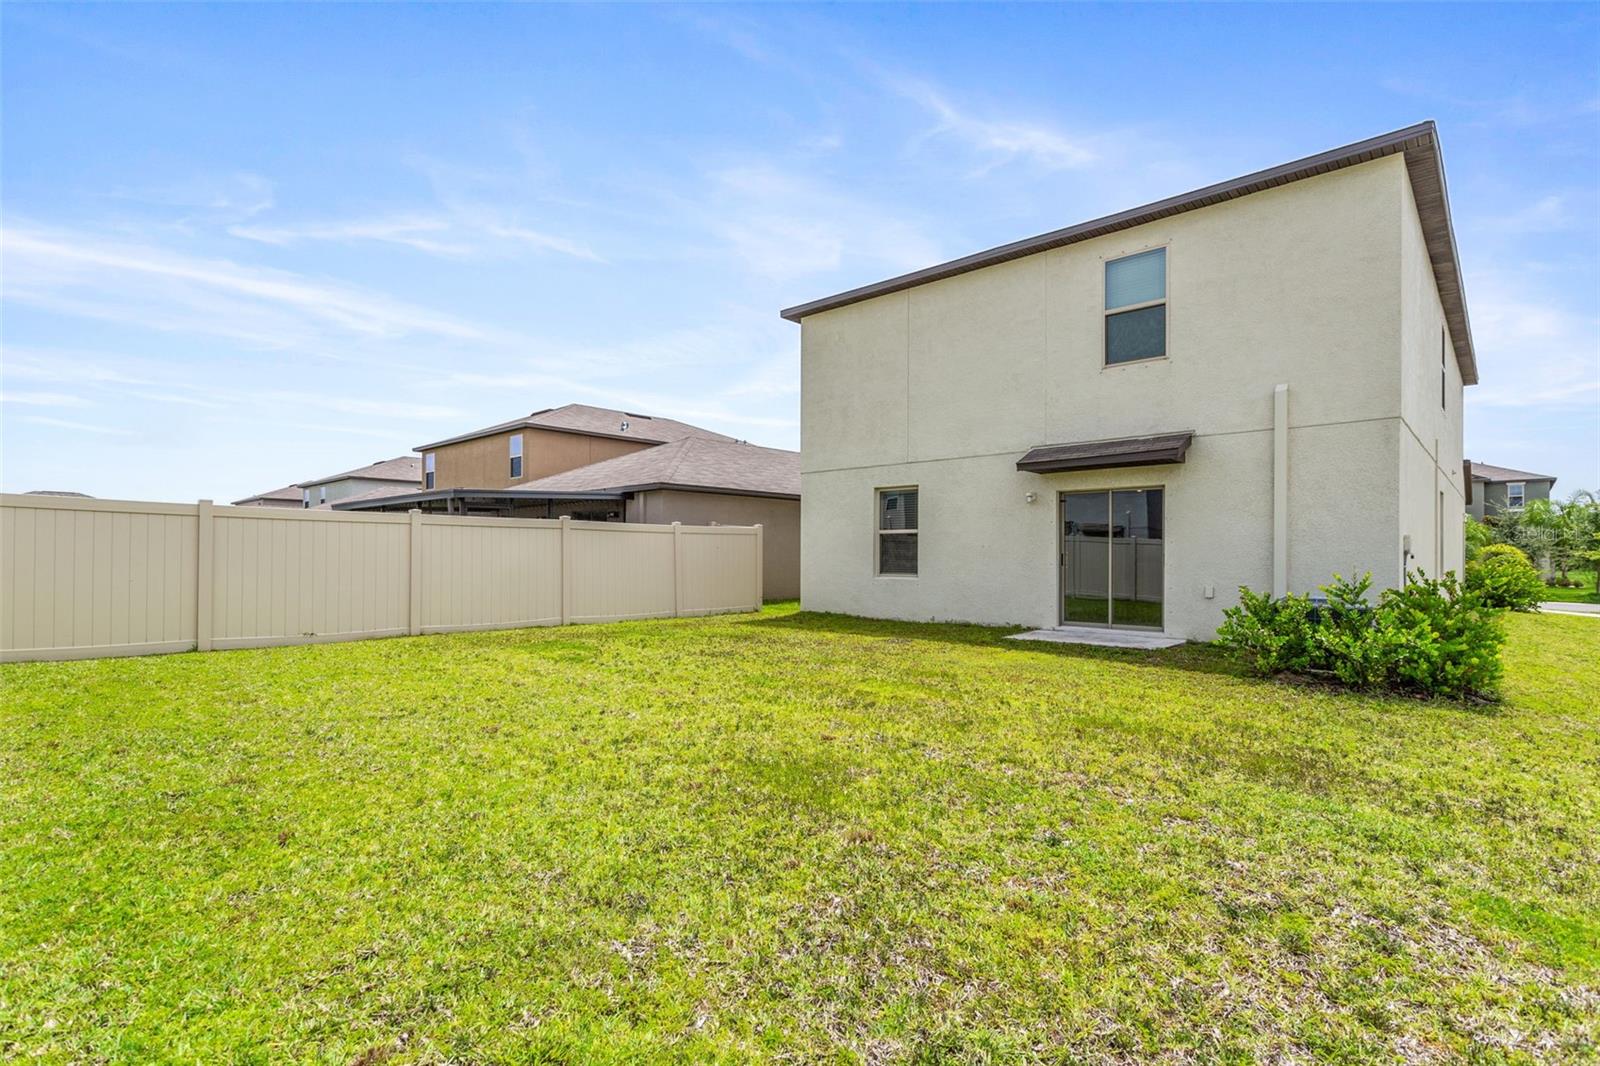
(1112, 557)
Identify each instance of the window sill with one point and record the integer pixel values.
(896, 577)
(1104, 366)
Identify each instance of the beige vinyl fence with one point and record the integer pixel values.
(85, 578)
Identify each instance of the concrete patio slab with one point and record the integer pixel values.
(1101, 638)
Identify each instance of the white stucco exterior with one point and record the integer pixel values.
(1323, 285)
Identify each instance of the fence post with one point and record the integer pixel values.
(566, 568)
(414, 550)
(677, 569)
(203, 574)
(761, 568)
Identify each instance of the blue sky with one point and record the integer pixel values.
(250, 245)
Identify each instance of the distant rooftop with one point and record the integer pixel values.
(691, 463)
(288, 492)
(594, 422)
(1489, 472)
(400, 468)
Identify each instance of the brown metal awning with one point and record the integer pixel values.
(1106, 454)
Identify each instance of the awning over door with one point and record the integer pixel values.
(1108, 454)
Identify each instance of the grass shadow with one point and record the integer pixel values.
(1197, 658)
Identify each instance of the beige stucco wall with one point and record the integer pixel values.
(945, 385)
(485, 462)
(779, 519)
(1432, 492)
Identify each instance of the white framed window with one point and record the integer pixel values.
(427, 471)
(516, 455)
(1136, 307)
(897, 532)
(322, 494)
(1516, 495)
(305, 497)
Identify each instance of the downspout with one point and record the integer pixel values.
(1280, 491)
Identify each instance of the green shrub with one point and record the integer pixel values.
(1503, 576)
(1432, 636)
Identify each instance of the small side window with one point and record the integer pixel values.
(305, 497)
(427, 471)
(897, 531)
(516, 455)
(1136, 307)
(1516, 495)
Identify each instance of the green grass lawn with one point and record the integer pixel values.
(1584, 593)
(792, 837)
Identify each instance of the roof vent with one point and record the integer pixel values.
(624, 425)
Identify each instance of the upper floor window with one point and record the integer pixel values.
(516, 455)
(322, 494)
(305, 497)
(1136, 307)
(427, 471)
(1516, 494)
(897, 531)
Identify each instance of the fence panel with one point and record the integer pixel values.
(487, 577)
(617, 571)
(86, 578)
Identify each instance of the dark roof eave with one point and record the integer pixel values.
(720, 491)
(474, 494)
(1424, 164)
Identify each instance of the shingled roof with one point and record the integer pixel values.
(288, 492)
(1419, 145)
(400, 468)
(691, 463)
(593, 422)
(1486, 472)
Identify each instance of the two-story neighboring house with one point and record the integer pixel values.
(1500, 488)
(557, 439)
(601, 464)
(1119, 423)
(386, 476)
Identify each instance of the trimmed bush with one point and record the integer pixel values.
(1431, 637)
(1503, 576)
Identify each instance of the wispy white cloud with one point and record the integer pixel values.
(212, 198)
(446, 236)
(783, 224)
(78, 427)
(1547, 214)
(28, 398)
(997, 141)
(86, 274)
(417, 232)
(1534, 351)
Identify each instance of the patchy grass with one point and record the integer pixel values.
(797, 837)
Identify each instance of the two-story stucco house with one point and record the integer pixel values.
(1119, 423)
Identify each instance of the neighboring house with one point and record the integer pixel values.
(1499, 488)
(1256, 383)
(58, 492)
(598, 464)
(698, 481)
(546, 442)
(393, 476)
(288, 496)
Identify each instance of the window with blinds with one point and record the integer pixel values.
(1136, 307)
(897, 531)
